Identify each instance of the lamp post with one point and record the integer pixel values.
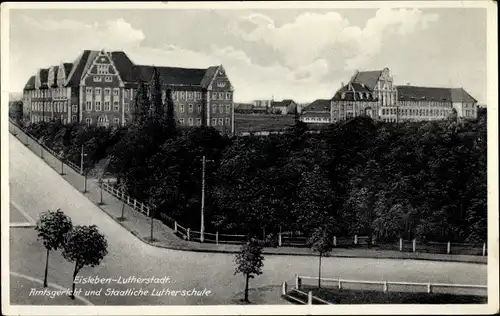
(61, 157)
(100, 186)
(202, 226)
(82, 171)
(41, 148)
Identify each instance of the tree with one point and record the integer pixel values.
(249, 262)
(156, 113)
(52, 228)
(321, 241)
(170, 114)
(141, 105)
(85, 246)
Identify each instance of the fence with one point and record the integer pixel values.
(285, 239)
(398, 286)
(298, 296)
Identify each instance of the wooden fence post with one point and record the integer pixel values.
(484, 249)
(283, 288)
(297, 282)
(429, 290)
(279, 239)
(335, 240)
(385, 286)
(355, 239)
(175, 227)
(309, 298)
(414, 245)
(448, 248)
(217, 238)
(400, 244)
(135, 203)
(187, 232)
(340, 284)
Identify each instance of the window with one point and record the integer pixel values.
(181, 95)
(116, 121)
(190, 122)
(198, 95)
(65, 107)
(116, 106)
(98, 106)
(62, 117)
(228, 96)
(190, 95)
(88, 121)
(190, 108)
(214, 122)
(126, 93)
(107, 92)
(343, 96)
(73, 118)
(74, 108)
(181, 108)
(228, 108)
(228, 122)
(88, 90)
(198, 108)
(97, 79)
(97, 91)
(107, 106)
(221, 96)
(116, 92)
(221, 121)
(102, 69)
(221, 108)
(127, 107)
(181, 121)
(198, 121)
(131, 93)
(214, 108)
(89, 106)
(214, 95)
(108, 79)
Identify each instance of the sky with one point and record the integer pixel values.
(300, 54)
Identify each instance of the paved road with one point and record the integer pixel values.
(35, 187)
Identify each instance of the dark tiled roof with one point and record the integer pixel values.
(54, 79)
(351, 92)
(320, 105)
(44, 75)
(30, 85)
(414, 93)
(286, 103)
(125, 67)
(209, 74)
(172, 75)
(368, 78)
(73, 78)
(67, 68)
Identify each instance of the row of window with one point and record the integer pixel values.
(97, 91)
(425, 103)
(469, 112)
(48, 93)
(102, 121)
(40, 118)
(98, 106)
(196, 95)
(417, 112)
(99, 78)
(316, 119)
(49, 106)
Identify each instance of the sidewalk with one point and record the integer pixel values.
(139, 225)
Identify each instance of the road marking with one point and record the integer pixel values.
(23, 212)
(57, 287)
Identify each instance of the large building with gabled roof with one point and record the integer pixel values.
(373, 93)
(99, 87)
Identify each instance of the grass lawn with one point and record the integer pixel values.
(343, 296)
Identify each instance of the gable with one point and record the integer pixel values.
(220, 80)
(100, 65)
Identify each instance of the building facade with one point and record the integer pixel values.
(318, 112)
(283, 107)
(390, 103)
(99, 88)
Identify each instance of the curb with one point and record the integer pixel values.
(194, 249)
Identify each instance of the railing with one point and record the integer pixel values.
(120, 195)
(310, 299)
(399, 286)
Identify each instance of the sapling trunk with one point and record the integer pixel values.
(319, 272)
(75, 272)
(246, 288)
(46, 269)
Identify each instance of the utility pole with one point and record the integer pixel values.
(82, 155)
(202, 228)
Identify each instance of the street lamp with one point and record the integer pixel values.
(202, 226)
(82, 154)
(100, 185)
(41, 148)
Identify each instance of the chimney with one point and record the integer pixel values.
(342, 84)
(407, 83)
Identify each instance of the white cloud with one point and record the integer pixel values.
(310, 34)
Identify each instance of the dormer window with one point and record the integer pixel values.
(343, 95)
(360, 96)
(102, 69)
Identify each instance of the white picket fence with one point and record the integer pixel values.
(385, 286)
(120, 194)
(309, 297)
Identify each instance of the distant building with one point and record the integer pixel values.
(262, 103)
(373, 93)
(353, 100)
(283, 107)
(318, 112)
(99, 88)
